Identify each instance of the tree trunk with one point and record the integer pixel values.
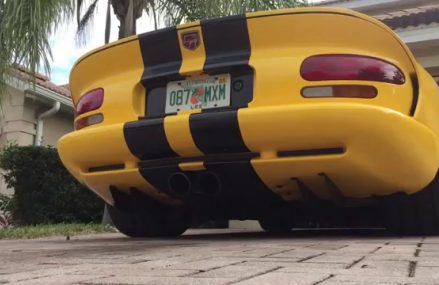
(154, 14)
(108, 23)
(128, 22)
(127, 12)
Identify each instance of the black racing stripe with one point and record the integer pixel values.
(217, 132)
(161, 54)
(146, 139)
(226, 41)
(415, 83)
(162, 60)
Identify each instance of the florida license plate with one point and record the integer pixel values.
(199, 93)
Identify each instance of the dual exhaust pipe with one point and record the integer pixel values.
(182, 185)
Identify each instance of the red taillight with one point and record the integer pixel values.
(350, 67)
(90, 101)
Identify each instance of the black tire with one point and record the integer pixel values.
(278, 221)
(416, 214)
(166, 223)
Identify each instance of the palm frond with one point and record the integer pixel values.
(150, 7)
(85, 23)
(25, 29)
(78, 11)
(178, 11)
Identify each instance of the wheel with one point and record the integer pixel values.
(416, 214)
(278, 221)
(166, 223)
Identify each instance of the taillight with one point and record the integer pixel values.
(89, 120)
(340, 91)
(90, 101)
(350, 67)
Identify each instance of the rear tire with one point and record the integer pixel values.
(416, 214)
(166, 223)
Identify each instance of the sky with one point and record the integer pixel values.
(66, 50)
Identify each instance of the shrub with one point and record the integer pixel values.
(5, 211)
(5, 203)
(45, 192)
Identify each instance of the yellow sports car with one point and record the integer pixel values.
(306, 117)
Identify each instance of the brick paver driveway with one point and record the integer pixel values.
(223, 257)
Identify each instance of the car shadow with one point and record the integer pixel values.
(295, 234)
(206, 235)
(106, 246)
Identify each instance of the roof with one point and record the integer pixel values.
(43, 81)
(400, 18)
(411, 17)
(327, 2)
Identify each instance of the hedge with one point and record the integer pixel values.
(45, 193)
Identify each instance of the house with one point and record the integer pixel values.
(33, 114)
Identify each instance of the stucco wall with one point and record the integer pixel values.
(57, 126)
(14, 127)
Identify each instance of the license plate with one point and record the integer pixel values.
(200, 93)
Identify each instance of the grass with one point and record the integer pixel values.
(68, 230)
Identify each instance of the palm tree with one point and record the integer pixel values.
(173, 12)
(126, 11)
(25, 29)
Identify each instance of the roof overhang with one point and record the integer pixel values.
(40, 93)
(417, 35)
(423, 41)
(375, 7)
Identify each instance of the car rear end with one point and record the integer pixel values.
(251, 110)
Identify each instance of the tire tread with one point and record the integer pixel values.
(416, 214)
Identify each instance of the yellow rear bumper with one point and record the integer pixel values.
(383, 151)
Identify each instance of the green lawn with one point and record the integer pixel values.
(68, 230)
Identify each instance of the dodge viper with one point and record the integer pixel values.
(297, 118)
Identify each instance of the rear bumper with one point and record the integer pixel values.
(382, 151)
